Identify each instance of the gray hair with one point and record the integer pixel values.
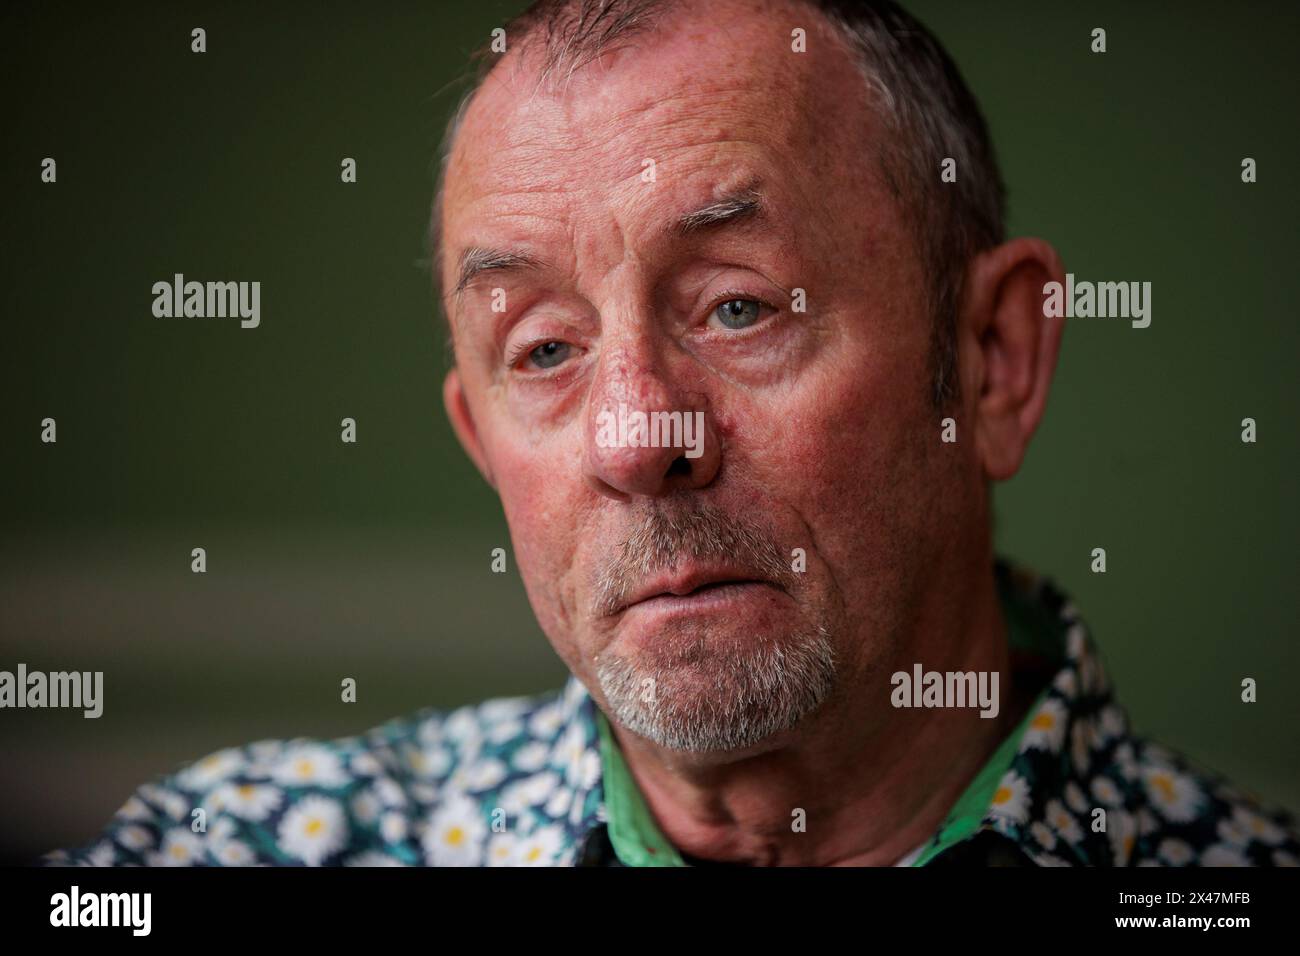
(921, 96)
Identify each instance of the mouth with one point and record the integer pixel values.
(695, 588)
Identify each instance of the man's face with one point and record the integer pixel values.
(820, 493)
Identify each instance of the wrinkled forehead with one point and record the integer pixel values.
(710, 83)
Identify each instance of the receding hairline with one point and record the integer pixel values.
(553, 66)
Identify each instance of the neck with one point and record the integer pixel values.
(873, 781)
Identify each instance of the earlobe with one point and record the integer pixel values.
(462, 423)
(1016, 346)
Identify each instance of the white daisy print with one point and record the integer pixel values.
(390, 794)
(313, 829)
(1258, 826)
(134, 809)
(170, 802)
(568, 752)
(365, 765)
(265, 751)
(558, 805)
(250, 801)
(135, 837)
(1080, 751)
(180, 847)
(462, 726)
(1042, 833)
(1061, 820)
(102, 855)
(1011, 799)
(1112, 722)
(1104, 789)
(429, 732)
(501, 849)
(455, 834)
(392, 827)
(504, 733)
(235, 853)
(540, 848)
(1175, 796)
(1046, 730)
(1121, 829)
(430, 762)
(529, 792)
(1147, 822)
(309, 765)
(1075, 797)
(1232, 832)
(588, 771)
(1066, 683)
(1075, 642)
(366, 806)
(222, 829)
(484, 775)
(546, 722)
(503, 710)
(1220, 854)
(1175, 852)
(211, 769)
(423, 792)
(530, 757)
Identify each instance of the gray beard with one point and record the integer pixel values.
(708, 698)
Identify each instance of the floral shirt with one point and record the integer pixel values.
(539, 781)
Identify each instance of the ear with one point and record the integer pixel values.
(1011, 348)
(462, 423)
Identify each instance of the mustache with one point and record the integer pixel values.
(663, 536)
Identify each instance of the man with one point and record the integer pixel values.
(740, 361)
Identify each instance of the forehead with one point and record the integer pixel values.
(714, 91)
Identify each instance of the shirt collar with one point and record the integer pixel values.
(1036, 791)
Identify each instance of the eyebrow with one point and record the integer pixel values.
(476, 260)
(746, 203)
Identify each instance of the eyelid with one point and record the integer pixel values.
(730, 295)
(518, 352)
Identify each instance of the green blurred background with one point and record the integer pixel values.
(371, 560)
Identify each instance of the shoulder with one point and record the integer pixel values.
(367, 799)
(1183, 814)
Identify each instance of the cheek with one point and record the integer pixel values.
(540, 491)
(845, 448)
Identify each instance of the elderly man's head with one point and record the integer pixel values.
(735, 212)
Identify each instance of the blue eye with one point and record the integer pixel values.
(549, 354)
(738, 313)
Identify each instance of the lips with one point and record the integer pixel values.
(690, 582)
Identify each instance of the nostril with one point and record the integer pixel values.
(681, 466)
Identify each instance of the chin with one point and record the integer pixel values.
(701, 692)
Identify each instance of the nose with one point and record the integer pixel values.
(645, 434)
